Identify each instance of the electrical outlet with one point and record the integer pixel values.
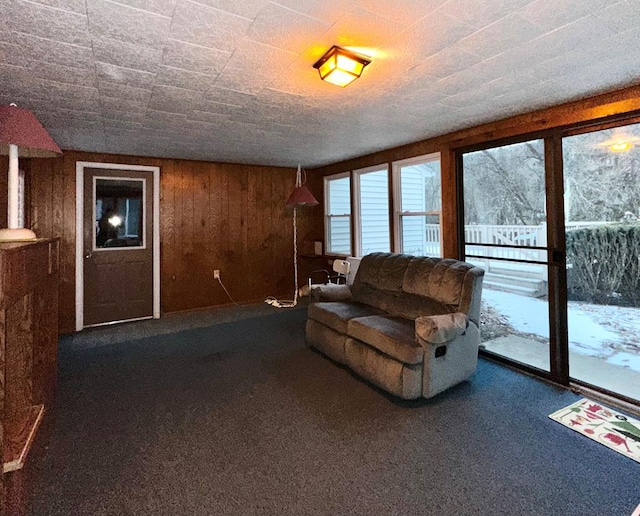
(216, 274)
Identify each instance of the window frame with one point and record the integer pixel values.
(328, 216)
(356, 205)
(143, 209)
(398, 213)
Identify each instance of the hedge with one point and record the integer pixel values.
(603, 264)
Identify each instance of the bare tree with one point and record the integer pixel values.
(505, 185)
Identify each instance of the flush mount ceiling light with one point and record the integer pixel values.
(341, 67)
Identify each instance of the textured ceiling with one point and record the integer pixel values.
(232, 80)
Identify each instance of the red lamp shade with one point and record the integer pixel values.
(21, 135)
(20, 127)
(301, 196)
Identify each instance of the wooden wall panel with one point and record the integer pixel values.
(202, 234)
(235, 217)
(167, 242)
(64, 226)
(41, 199)
(449, 219)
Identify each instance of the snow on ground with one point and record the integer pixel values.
(611, 333)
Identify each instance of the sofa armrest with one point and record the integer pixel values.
(438, 329)
(330, 292)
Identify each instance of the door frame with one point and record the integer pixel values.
(80, 166)
(558, 372)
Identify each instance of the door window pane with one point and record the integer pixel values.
(602, 221)
(119, 213)
(420, 206)
(338, 214)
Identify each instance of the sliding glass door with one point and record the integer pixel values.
(505, 233)
(602, 223)
(572, 197)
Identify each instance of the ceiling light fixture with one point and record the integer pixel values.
(341, 67)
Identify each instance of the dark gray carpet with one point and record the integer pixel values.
(241, 418)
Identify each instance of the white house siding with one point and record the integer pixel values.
(374, 212)
(416, 197)
(339, 228)
(413, 199)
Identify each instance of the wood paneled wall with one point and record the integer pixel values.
(212, 216)
(617, 103)
(227, 217)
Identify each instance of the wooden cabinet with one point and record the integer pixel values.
(28, 354)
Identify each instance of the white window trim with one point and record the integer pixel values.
(327, 180)
(396, 168)
(355, 204)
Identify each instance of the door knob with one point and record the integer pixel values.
(88, 255)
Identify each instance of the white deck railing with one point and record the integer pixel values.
(512, 235)
(509, 235)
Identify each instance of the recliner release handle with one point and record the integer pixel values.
(441, 351)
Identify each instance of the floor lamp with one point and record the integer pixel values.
(300, 196)
(21, 135)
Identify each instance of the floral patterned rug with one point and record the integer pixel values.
(613, 429)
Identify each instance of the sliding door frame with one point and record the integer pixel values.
(556, 240)
(573, 130)
(556, 262)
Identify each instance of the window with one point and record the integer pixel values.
(337, 195)
(119, 212)
(418, 201)
(371, 219)
(602, 233)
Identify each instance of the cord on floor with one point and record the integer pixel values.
(226, 291)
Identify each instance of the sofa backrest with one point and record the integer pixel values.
(412, 286)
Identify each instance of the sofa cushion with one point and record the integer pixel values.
(393, 336)
(383, 300)
(336, 315)
(411, 306)
(442, 280)
(330, 292)
(382, 271)
(402, 380)
(326, 340)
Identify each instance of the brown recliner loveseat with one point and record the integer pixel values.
(408, 324)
